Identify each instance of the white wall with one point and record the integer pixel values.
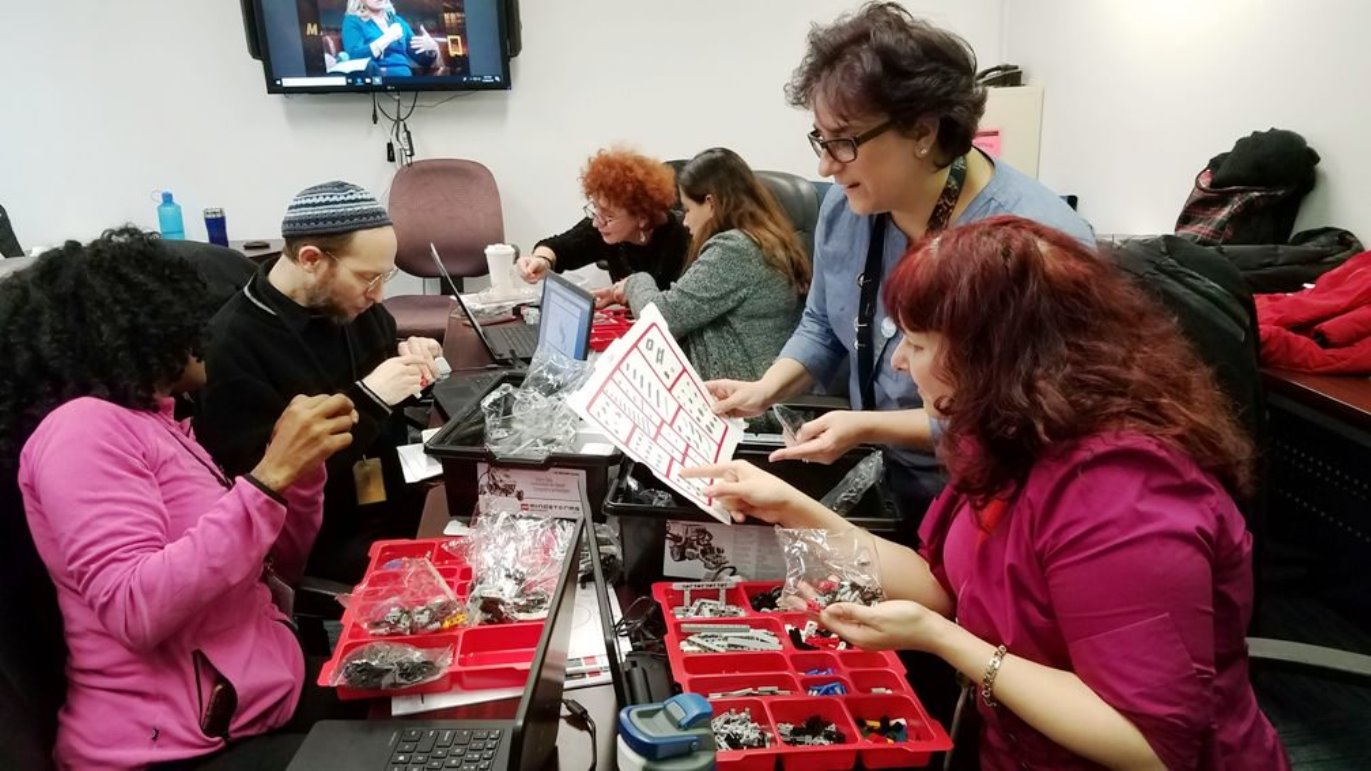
(119, 98)
(1140, 95)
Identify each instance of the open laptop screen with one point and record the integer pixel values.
(567, 314)
(540, 711)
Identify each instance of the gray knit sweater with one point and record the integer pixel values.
(729, 310)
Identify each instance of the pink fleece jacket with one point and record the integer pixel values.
(154, 559)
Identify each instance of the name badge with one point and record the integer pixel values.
(370, 482)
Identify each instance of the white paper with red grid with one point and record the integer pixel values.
(648, 399)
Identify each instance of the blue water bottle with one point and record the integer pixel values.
(216, 227)
(169, 219)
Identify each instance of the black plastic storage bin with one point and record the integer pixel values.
(643, 528)
(460, 445)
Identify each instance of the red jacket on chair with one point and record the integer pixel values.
(1326, 328)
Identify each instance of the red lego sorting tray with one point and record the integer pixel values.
(774, 684)
(610, 324)
(494, 656)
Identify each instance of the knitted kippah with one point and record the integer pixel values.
(332, 207)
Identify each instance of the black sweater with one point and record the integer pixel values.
(264, 349)
(662, 256)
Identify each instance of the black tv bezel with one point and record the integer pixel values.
(264, 47)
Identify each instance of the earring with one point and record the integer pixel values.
(923, 152)
(642, 236)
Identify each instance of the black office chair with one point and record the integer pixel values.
(9, 245)
(1191, 281)
(32, 649)
(224, 271)
(798, 197)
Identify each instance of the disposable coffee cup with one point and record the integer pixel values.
(500, 263)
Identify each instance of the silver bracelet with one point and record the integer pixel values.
(988, 679)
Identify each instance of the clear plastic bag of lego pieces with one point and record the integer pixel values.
(533, 420)
(791, 421)
(554, 375)
(406, 596)
(827, 566)
(516, 562)
(636, 492)
(845, 495)
(384, 666)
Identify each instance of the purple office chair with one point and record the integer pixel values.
(455, 205)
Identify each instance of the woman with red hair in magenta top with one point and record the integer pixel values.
(1088, 545)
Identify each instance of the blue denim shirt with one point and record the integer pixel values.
(826, 334)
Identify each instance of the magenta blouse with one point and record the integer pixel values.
(1122, 561)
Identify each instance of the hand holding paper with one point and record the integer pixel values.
(648, 399)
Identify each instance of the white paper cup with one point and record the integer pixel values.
(500, 263)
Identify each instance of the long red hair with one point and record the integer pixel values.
(1046, 342)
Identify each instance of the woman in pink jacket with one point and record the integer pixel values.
(165, 570)
(1086, 568)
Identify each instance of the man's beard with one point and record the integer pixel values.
(322, 302)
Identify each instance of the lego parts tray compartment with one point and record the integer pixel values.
(777, 678)
(493, 656)
(851, 717)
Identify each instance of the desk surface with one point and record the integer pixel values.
(1347, 397)
(262, 254)
(461, 347)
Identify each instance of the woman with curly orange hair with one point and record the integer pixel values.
(628, 225)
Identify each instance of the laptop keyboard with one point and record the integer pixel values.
(520, 338)
(431, 749)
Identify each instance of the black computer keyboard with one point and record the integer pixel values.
(431, 749)
(522, 339)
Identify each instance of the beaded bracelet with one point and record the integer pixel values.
(988, 679)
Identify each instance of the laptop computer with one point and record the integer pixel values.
(567, 314)
(526, 743)
(622, 695)
(639, 677)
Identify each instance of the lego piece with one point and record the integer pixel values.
(886, 730)
(834, 688)
(736, 730)
(717, 628)
(813, 732)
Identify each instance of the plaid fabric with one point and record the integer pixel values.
(1212, 214)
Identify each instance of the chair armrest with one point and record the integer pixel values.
(1342, 664)
(318, 598)
(323, 587)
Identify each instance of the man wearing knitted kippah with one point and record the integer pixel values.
(312, 322)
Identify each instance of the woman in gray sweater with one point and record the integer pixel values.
(746, 274)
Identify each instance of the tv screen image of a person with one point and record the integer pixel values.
(375, 33)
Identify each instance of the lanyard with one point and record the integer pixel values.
(988, 518)
(214, 470)
(870, 278)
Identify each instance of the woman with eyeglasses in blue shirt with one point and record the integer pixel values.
(896, 105)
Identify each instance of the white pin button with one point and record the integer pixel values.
(887, 328)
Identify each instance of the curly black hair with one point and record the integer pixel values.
(115, 319)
